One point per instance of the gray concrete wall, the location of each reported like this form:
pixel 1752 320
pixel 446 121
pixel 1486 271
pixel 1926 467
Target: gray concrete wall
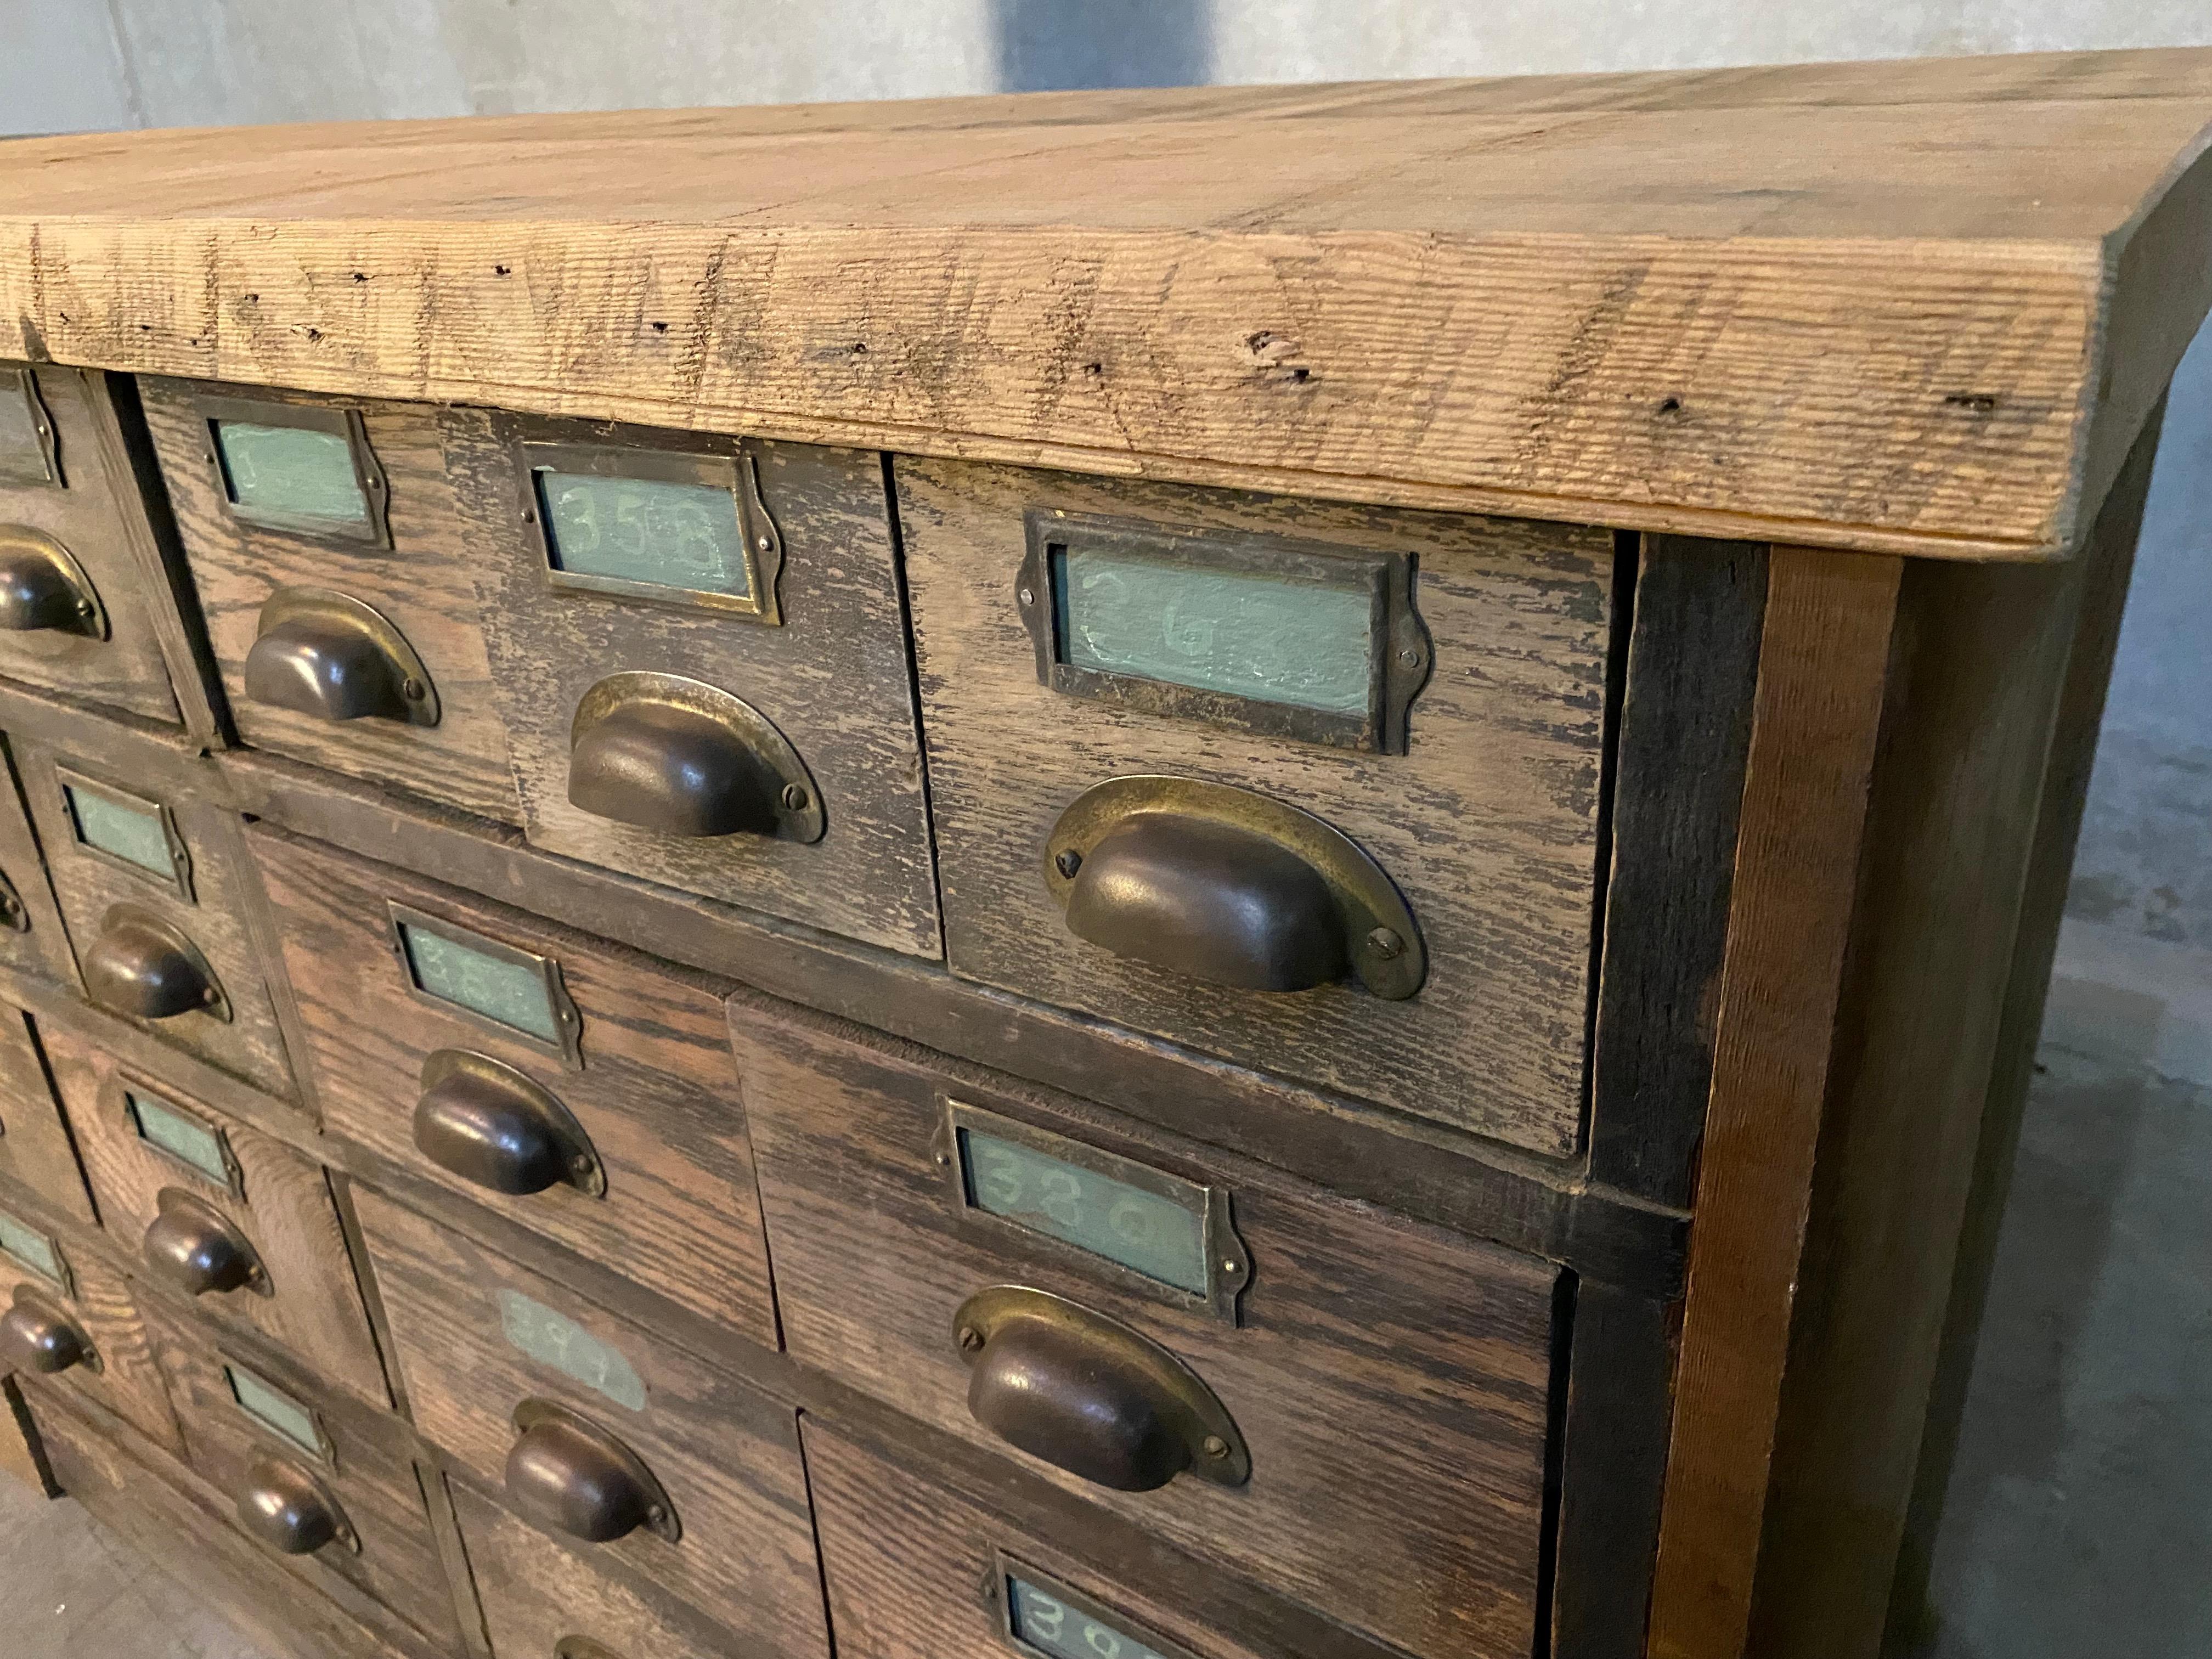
pixel 2145 868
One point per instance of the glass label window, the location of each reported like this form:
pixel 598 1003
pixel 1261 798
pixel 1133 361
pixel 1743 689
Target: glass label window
pixel 182 1136
pixel 30 1249
pixel 130 830
pixel 1050 1624
pixel 25 456
pixel 507 989
pixel 554 1340
pixel 274 1409
pixel 651 531
pixel 283 473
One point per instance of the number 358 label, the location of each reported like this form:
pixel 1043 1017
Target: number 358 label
pixel 1048 1618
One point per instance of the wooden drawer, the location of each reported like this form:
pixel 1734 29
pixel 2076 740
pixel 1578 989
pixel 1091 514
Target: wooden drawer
pixel 823 663
pixel 1386 1384
pixel 61 1301
pixel 147 933
pixel 405 558
pixel 174 1176
pixel 669 1198
pixel 1486 826
pixel 544 1600
pixel 480 1339
pixel 75 544
pixel 257 1433
pixel 914 1571
pixel 34 1142
pixel 31 937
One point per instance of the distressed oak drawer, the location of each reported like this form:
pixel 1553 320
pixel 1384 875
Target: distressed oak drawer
pixel 222 1215
pixel 333 574
pixel 31 937
pixel 1314 787
pixel 574 1087
pixel 315 1478
pixel 917 1572
pixel 35 1143
pixel 152 890
pixel 67 1322
pixel 82 584
pixel 1349 1408
pixel 702 658
pixel 660 1466
pixel 544 1600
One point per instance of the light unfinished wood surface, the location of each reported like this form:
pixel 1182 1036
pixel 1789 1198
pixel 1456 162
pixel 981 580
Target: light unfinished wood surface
pixel 1915 307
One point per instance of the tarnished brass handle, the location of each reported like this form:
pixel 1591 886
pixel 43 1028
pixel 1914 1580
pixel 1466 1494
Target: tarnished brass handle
pixel 14 917
pixel 1089 1396
pixel 685 758
pixel 198 1250
pixel 491 1126
pixel 323 654
pixel 37 1336
pixel 290 1510
pixel 1229 887
pixel 142 966
pixel 566 1472
pixel 44 590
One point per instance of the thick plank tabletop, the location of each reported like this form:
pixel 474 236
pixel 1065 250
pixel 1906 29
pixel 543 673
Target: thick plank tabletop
pixel 1920 307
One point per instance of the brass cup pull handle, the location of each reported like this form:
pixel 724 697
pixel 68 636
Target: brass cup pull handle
pixel 1229 887
pixel 566 1472
pixel 43 589
pixel 38 1337
pixel 486 1123
pixel 198 1250
pixel 1089 1395
pixel 684 758
pixel 142 967
pixel 290 1510
pixel 320 653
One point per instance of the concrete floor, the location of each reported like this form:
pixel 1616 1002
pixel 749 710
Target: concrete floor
pixel 2078 1523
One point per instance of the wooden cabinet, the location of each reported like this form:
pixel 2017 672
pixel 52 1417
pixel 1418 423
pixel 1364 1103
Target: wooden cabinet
pixel 1236 872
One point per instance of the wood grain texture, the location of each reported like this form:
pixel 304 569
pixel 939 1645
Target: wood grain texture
pixel 1488 825
pixel 657 1096
pixel 1684 727
pixel 42 946
pixel 128 1383
pixel 1709 303
pixel 834 679
pixel 420 583
pixel 1824 664
pixel 727 1455
pixel 2110 557
pixel 911 1569
pixel 1392 1382
pixel 537 1593
pixel 97 515
pixel 249 1043
pixel 1424 1170
pixel 35 1151
pixel 367 1473
pixel 22 1453
pixel 313 1307
pixel 160 1508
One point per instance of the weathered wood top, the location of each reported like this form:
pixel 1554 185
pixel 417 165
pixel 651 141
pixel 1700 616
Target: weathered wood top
pixel 1919 307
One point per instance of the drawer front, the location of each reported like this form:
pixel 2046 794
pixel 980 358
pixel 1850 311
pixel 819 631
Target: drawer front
pixel 1387 1384
pixel 57 1300
pixel 249 1430
pixel 1484 827
pixel 35 1143
pixel 31 937
pixel 72 530
pixel 171 1176
pixel 650 1093
pixel 917 1572
pixel 480 1339
pixel 397 548
pixel 542 1600
pixel 153 891
pixel 824 665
